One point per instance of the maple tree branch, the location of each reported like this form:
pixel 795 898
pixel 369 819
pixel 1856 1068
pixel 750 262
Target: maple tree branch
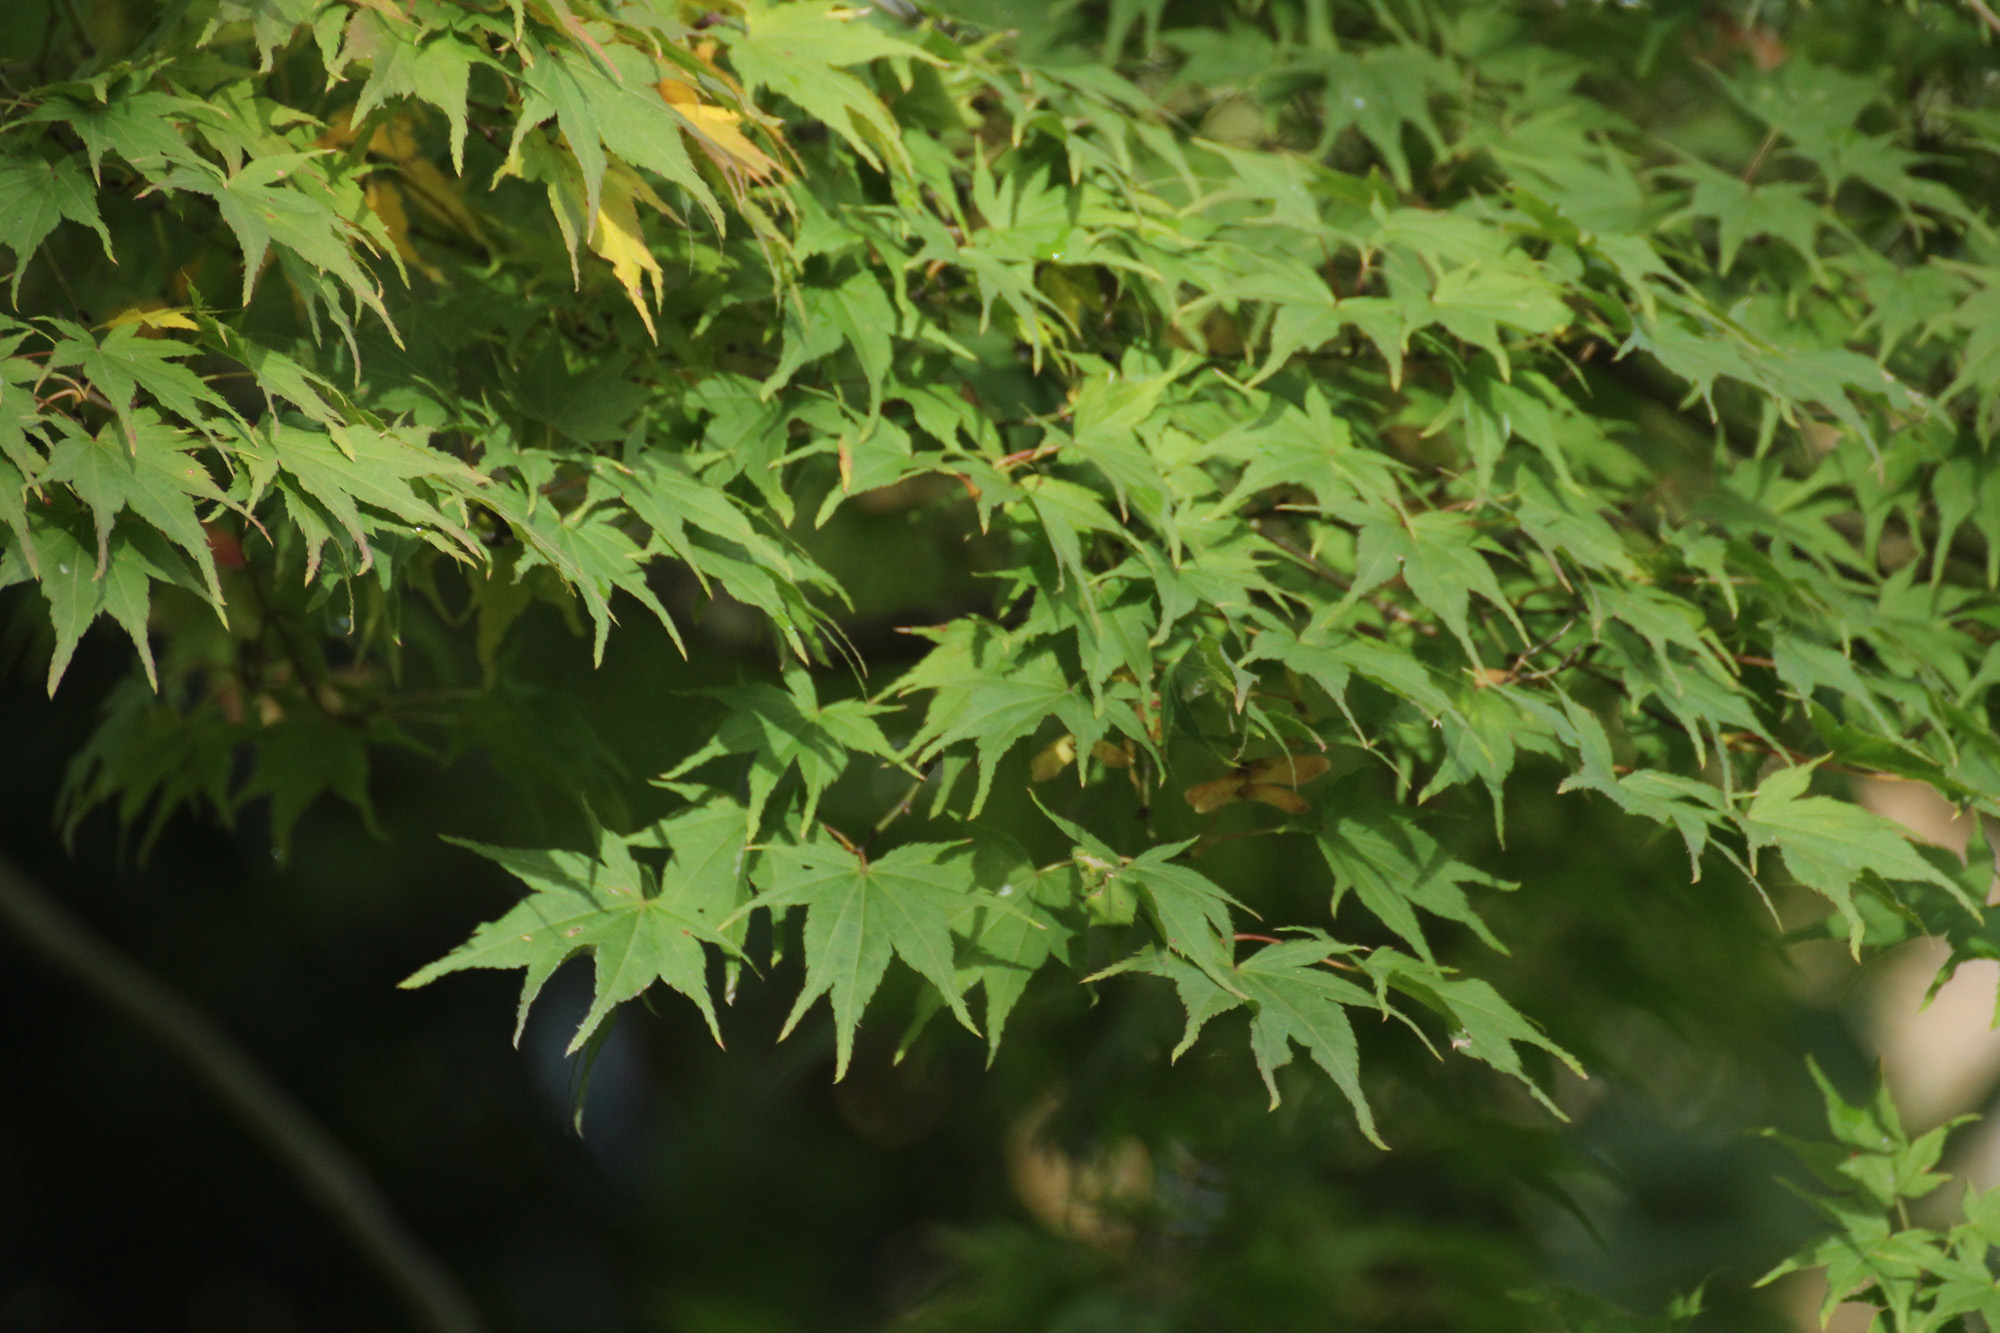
pixel 1986 14
pixel 334 1179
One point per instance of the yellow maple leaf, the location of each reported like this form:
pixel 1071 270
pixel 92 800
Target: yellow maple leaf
pixel 151 316
pixel 1054 757
pixel 716 132
pixel 417 181
pixel 386 201
pixel 619 240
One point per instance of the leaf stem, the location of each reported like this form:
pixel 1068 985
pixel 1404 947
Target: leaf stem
pixel 1756 163
pixel 333 1179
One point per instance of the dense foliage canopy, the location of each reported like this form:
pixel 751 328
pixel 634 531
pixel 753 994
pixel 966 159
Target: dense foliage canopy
pixel 1267 505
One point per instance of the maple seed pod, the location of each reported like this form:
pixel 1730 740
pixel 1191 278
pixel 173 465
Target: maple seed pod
pixel 1273 782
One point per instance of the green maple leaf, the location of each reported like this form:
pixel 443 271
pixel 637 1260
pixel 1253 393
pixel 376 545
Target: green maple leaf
pixel 1291 997
pixel 68 583
pixel 591 550
pixel 1694 808
pixel 636 930
pixel 861 912
pixel 1485 1027
pixel 437 71
pixel 1472 301
pixel 1032 919
pixel 783 729
pixel 1021 918
pixel 272 22
pixel 138 126
pixel 1441 557
pixel 1378 92
pixel 158 480
pixel 263 207
pixel 390 471
pixel 1295 999
pixel 999 705
pixel 1333 659
pixel 1743 212
pixel 34 197
pixel 800 51
pixel 1394 867
pixel 126 362
pixel 301 758
pixel 1829 844
pixel 697 522
pixel 853 315
pixel 279 375
pixel 1189 911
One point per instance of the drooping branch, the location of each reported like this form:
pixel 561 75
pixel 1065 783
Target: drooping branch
pixel 334 1179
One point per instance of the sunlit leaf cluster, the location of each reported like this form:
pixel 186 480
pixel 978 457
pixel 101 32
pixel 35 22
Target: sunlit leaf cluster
pixel 1340 411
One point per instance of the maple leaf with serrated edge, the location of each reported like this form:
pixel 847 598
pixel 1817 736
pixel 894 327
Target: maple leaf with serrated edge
pixel 34 197
pixel 157 479
pixel 1394 868
pixel 391 470
pixel 1189 911
pixel 125 362
pixel 1441 557
pixel 591 551
pixel 67 582
pixel 700 524
pixel 1486 1027
pixel 1291 997
pixel 262 207
pixel 788 728
pixel 997 708
pixel 799 50
pixel 1829 844
pixel 437 70
pixel 1294 998
pixel 637 930
pixel 860 912
pixel 1032 915
pixel 299 759
pixel 138 127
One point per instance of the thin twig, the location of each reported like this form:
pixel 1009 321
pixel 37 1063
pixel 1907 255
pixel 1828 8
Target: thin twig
pixel 1985 13
pixel 334 1180
pixel 1530 653
pixel 898 810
